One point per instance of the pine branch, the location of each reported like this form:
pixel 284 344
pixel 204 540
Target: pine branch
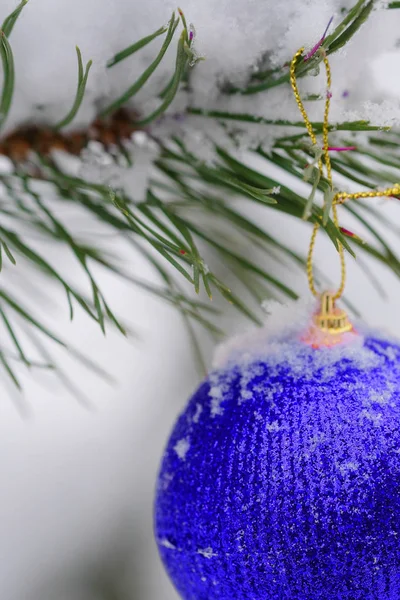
pixel 190 208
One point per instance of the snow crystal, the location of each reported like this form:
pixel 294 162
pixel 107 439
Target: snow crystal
pixel 376 418
pixel 182 447
pixel 196 416
pixel 217 394
pixel 166 480
pixel 206 268
pixel 167 544
pixel 141 139
pixel 382 398
pixel 274 426
pixel 206 552
pixel 383 114
pixel 284 320
pixel 348 467
pixel 6 166
pixel 246 394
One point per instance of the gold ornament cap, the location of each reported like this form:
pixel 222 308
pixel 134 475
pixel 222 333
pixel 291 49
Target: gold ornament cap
pixel 329 324
pixel 331 319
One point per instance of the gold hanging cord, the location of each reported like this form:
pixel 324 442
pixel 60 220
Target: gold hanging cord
pixel 340 197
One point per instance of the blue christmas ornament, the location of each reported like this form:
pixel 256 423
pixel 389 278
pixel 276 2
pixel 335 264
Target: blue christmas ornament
pixel 281 479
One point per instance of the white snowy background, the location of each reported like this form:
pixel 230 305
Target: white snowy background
pixel 76 481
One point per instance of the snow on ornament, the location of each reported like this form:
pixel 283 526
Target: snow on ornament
pixel 289 485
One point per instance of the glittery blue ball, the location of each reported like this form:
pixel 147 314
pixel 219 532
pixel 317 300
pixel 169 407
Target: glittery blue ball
pixel 281 479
